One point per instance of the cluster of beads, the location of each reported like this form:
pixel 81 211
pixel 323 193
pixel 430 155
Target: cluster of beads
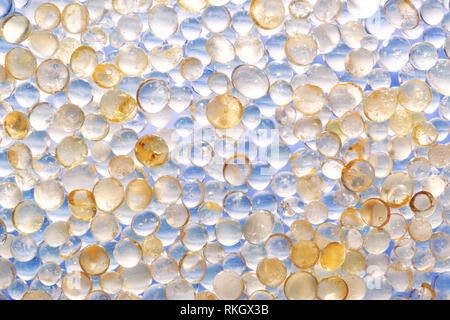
pixel 224 149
